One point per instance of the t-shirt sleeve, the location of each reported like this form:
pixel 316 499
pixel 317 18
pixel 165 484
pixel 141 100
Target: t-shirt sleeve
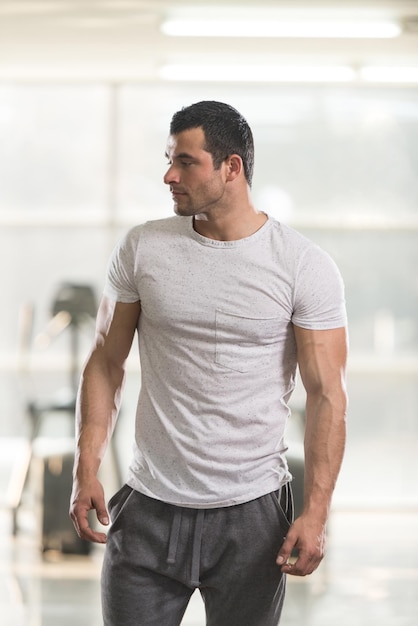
pixel 319 302
pixel 120 284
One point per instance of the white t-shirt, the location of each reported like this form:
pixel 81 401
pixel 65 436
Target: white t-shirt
pixel 218 354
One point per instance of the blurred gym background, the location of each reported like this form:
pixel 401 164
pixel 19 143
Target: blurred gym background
pixel 87 90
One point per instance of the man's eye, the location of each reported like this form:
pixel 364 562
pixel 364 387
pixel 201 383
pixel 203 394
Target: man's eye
pixel 186 163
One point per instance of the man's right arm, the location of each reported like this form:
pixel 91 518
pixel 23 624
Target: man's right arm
pixel 97 408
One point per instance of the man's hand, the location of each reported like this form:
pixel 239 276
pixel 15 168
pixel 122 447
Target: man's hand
pixel 84 498
pixel 307 536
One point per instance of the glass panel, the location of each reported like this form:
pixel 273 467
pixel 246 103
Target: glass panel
pixel 53 148
pixel 340 154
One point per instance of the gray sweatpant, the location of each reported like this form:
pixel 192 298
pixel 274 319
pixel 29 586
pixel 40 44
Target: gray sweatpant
pixel 157 554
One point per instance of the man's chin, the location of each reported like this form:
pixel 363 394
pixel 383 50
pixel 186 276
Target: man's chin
pixel 182 211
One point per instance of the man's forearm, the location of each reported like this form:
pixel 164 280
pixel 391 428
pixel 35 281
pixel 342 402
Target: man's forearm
pixel 324 448
pixel 96 413
pixel 325 436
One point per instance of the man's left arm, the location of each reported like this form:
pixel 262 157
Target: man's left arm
pixel 322 356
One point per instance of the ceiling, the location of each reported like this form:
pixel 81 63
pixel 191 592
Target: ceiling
pixel 122 40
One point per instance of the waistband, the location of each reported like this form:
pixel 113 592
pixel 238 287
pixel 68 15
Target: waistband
pixel 284 497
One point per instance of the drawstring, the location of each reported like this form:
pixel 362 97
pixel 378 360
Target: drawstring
pixel 196 547
pixel 174 536
pixel 197 543
pixel 290 506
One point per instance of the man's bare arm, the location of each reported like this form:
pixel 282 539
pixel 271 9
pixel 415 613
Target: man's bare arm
pixel 97 408
pixel 322 359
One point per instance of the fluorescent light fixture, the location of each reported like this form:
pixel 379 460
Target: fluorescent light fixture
pixel 258 73
pixel 211 27
pixel 389 74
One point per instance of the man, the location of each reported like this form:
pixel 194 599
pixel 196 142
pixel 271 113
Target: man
pixel 226 302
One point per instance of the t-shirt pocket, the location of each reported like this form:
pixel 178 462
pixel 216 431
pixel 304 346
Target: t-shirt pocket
pixel 245 343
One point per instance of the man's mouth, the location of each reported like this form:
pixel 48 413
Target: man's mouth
pixel 176 192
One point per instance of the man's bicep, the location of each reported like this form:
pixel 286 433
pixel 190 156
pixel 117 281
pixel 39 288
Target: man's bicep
pixel 322 356
pixel 115 328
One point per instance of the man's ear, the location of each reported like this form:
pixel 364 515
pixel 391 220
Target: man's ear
pixel 234 167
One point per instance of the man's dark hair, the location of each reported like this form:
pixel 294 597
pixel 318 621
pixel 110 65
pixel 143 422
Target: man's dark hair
pixel 226 132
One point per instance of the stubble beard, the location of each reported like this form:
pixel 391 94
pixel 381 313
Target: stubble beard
pixel 187 208
pixel 183 211
pixel 202 203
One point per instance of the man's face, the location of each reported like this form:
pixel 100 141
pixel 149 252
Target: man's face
pixel 196 187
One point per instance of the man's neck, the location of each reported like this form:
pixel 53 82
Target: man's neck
pixel 228 227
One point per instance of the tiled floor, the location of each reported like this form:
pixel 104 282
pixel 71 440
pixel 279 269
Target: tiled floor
pixel 370 576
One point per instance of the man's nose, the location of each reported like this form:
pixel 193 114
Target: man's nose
pixel 171 175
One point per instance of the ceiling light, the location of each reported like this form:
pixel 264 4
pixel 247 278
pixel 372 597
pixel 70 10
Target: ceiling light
pixel 258 73
pixel 211 27
pixel 389 74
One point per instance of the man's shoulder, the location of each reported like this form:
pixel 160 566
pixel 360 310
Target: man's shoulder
pixel 298 251
pixel 156 228
pixel 290 238
pixel 170 225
